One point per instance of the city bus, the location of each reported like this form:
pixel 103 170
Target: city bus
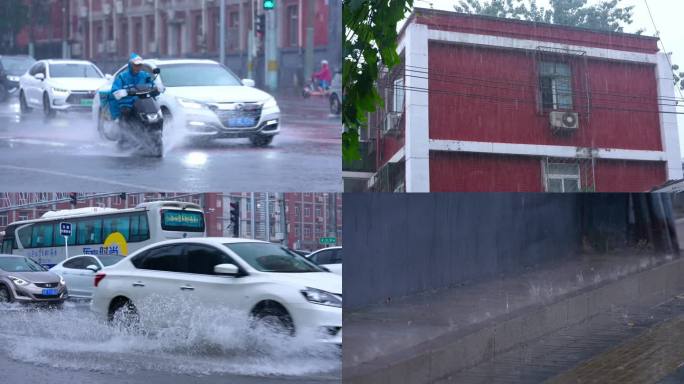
pixel 102 231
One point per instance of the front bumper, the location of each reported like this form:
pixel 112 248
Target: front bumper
pixel 12 87
pixel 71 101
pixel 34 294
pixel 206 123
pixel 323 322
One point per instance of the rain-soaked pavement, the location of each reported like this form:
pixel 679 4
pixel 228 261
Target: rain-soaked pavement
pixel 67 154
pixel 70 345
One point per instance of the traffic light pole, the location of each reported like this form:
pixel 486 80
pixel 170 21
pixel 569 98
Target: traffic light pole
pixel 222 33
pixel 271 51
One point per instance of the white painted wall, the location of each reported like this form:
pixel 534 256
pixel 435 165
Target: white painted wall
pixel 416 109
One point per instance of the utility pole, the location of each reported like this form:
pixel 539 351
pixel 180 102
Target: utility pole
pixel 64 28
pixel 308 50
pixel 222 33
pixel 251 43
pixel 271 51
pixel 31 48
pixel 268 219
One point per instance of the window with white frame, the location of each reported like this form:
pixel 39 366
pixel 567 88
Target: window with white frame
pixel 555 81
pixel 3 220
pixel 307 231
pixel 562 177
pixel 398 100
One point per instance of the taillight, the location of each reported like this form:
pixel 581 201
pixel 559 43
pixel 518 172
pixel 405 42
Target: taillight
pixel 99 277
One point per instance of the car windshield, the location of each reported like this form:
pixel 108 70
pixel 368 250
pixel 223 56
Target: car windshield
pixel 17 65
pixel 20 264
pixel 74 70
pixel 266 257
pixel 197 75
pixel 109 260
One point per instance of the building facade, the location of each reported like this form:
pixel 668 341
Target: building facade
pixel 297 220
pixel 490 104
pixel 312 216
pixel 107 31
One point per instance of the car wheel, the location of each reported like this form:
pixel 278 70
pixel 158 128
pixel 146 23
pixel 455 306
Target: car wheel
pixel 334 104
pixel 47 108
pixel 5 296
pixel 23 105
pixel 124 315
pixel 276 319
pixel 4 95
pixel 261 140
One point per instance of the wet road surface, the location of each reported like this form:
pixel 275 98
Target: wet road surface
pixel 66 154
pixel 71 345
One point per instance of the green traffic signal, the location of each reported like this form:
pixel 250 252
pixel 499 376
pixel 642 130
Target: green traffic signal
pixel 269 4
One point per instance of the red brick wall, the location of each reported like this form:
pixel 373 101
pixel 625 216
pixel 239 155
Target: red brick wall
pixel 483 94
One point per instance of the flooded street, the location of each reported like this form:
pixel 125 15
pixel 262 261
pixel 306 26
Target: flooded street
pixel 305 156
pixel 73 345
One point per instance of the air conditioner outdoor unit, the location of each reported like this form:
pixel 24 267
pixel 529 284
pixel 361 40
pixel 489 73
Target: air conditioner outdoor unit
pixel 76 49
pixel 568 121
pixel 82 11
pixel 152 46
pixel 100 48
pixel 106 9
pixel 119 6
pixel 391 121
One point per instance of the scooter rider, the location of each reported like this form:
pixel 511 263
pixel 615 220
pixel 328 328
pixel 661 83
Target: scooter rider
pixel 324 76
pixel 121 109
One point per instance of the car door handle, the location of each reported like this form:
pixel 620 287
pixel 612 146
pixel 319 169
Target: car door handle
pixel 138 284
pixel 187 288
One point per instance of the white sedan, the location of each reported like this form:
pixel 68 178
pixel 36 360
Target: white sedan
pixel 256 280
pixel 79 272
pixel 205 99
pixel 330 258
pixel 60 85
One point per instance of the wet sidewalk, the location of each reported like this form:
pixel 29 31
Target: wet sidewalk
pixel 421 337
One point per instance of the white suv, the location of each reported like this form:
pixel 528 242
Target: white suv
pixel 256 279
pixel 60 85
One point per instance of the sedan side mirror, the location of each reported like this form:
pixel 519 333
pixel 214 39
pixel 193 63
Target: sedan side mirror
pixel 108 76
pixel 226 269
pixel 93 267
pixel 40 76
pixel 156 71
pixel 248 83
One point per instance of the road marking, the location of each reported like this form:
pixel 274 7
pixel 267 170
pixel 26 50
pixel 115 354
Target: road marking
pixel 88 178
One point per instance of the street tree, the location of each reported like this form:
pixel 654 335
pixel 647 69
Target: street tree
pixel 370 41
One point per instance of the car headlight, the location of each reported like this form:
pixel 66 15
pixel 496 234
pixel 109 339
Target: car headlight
pixel 13 78
pixel 18 281
pixel 270 103
pixel 190 104
pixel 318 296
pixel 61 280
pixel 59 90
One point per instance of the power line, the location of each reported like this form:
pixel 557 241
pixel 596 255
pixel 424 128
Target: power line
pixel 661 42
pixel 525 101
pixel 526 84
pixel 579 95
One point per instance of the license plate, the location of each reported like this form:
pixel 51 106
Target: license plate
pixel 87 102
pixel 240 122
pixel 50 292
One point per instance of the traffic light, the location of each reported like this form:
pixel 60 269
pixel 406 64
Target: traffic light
pixel 269 4
pixel 235 218
pixel 260 24
pixel 73 196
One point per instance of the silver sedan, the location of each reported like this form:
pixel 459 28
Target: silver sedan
pixel 24 280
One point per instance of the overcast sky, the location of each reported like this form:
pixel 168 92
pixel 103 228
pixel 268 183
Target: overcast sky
pixel 668 16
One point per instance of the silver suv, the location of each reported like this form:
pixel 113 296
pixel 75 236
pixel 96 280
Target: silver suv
pixel 24 280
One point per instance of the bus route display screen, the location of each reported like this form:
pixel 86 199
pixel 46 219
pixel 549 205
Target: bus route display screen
pixel 186 221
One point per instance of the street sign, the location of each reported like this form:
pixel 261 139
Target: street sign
pixel 328 240
pixel 65 229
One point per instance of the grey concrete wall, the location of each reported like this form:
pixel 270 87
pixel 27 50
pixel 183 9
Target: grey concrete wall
pixel 399 244
pixel 434 360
